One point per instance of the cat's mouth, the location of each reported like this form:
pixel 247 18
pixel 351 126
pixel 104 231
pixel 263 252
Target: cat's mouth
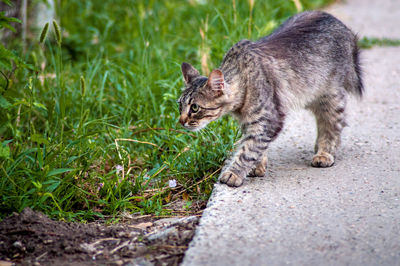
pixel 193 129
pixel 194 126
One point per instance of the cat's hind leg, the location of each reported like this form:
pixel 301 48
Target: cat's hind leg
pixel 261 167
pixel 330 116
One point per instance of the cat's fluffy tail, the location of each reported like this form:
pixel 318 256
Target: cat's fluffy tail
pixel 356 86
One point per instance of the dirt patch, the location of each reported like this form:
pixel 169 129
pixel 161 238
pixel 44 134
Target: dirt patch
pixel 31 238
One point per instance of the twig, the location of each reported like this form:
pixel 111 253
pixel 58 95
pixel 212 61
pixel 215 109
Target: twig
pixel 137 217
pixel 180 215
pixel 125 244
pixel 169 246
pixel 18 116
pixel 176 216
pixel 189 212
pixel 41 256
pixel 91 247
pixel 103 239
pixel 298 5
pixel 138 141
pixel 159 128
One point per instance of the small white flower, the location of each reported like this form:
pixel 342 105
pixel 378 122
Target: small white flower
pixel 119 168
pixel 172 183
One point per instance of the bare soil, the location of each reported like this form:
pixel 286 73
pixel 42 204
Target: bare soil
pixel 31 238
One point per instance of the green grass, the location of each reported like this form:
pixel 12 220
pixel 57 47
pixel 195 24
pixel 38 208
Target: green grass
pixel 93 131
pixel 368 42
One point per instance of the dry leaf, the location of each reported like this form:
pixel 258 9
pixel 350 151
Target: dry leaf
pixel 142 226
pixel 185 196
pixel 168 198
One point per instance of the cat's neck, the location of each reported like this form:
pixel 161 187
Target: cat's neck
pixel 234 98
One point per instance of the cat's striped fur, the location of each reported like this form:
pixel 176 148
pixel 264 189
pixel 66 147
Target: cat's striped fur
pixel 311 61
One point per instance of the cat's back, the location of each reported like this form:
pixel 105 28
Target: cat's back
pixel 305 35
pixel 311 31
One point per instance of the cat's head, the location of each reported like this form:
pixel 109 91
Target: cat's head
pixel 203 99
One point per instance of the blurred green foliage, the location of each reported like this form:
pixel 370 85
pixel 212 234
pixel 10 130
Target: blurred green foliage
pixel 368 42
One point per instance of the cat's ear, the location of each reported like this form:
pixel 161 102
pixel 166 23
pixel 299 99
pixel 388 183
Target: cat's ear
pixel 216 81
pixel 189 72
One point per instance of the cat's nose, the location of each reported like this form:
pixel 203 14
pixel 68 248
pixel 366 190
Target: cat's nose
pixel 183 119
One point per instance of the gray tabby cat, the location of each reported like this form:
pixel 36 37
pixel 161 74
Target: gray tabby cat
pixel 311 60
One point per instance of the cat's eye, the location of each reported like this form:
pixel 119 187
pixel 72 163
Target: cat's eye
pixel 194 108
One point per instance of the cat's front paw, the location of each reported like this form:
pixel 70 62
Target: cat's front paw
pixel 323 159
pixel 259 171
pixel 231 179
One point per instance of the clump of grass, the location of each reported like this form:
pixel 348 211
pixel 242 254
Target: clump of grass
pixel 92 131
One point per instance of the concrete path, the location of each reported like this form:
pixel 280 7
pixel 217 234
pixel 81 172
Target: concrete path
pixel 345 215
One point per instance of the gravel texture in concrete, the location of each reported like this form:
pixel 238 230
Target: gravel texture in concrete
pixel 348 214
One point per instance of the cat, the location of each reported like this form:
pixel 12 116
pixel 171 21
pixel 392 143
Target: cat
pixel 310 61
